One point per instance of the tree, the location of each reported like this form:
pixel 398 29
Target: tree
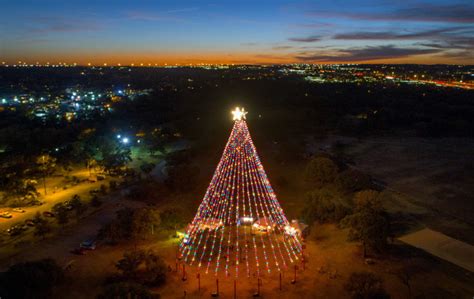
pixel 155 143
pixel 111 232
pixel 406 273
pixel 321 170
pixel 61 213
pixel 323 205
pixel 31 280
pixel 147 168
pixel 131 224
pixel 125 290
pixel 369 223
pixel 95 201
pixel 171 219
pixel 42 227
pixel 365 285
pixel 113 154
pixel 144 222
pixel 352 180
pixel 47 165
pixel 155 269
pixel 78 206
pixel 85 149
pixel 130 262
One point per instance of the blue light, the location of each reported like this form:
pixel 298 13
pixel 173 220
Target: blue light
pixel 125 140
pixel 119 136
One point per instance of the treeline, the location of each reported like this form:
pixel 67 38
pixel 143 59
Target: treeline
pixel 346 196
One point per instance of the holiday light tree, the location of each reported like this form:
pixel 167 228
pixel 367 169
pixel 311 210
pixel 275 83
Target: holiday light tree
pixel 240 225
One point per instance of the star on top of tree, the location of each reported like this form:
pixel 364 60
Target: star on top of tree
pixel 239 114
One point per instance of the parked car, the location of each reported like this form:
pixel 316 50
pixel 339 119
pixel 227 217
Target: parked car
pixel 67 205
pixel 16 230
pixel 5 215
pixel 18 210
pixel 89 245
pixel 30 222
pixel 48 214
pixel 79 251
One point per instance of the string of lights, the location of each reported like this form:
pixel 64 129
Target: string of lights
pixel 240 221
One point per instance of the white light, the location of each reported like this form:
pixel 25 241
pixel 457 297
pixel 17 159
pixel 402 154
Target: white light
pixel 239 114
pixel 119 136
pixel 247 219
pixel 125 140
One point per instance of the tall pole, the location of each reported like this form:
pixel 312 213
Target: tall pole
pixel 217 285
pixel 184 273
pixel 294 280
pixel 280 281
pixel 199 282
pixel 44 174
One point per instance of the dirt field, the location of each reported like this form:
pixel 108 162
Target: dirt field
pixel 432 178
pixel 324 275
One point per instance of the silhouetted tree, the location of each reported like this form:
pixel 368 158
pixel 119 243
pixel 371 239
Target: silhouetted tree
pixel 365 285
pixel 321 170
pixel 369 223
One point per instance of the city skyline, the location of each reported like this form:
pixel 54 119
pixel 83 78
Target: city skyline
pixel 268 32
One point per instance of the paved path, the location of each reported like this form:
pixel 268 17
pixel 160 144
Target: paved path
pixel 442 246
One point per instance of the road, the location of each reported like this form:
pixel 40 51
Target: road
pixel 60 245
pixel 51 198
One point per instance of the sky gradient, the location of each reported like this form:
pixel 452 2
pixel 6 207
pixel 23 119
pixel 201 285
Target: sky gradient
pixel 186 31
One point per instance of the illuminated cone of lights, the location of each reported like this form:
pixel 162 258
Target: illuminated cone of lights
pixel 240 226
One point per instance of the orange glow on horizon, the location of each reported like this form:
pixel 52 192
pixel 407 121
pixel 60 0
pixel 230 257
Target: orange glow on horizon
pixel 183 59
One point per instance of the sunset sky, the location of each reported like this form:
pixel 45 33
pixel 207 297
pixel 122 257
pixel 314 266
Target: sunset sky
pixel 186 31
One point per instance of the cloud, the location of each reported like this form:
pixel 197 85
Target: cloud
pixel 455 13
pixel 282 47
pixel 435 33
pixel 316 25
pixel 308 39
pixel 364 54
pixel 452 44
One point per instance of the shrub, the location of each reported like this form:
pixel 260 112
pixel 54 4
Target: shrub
pixel 321 170
pixel 323 205
pixel 365 285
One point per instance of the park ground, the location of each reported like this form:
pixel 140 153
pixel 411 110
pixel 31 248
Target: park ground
pixel 407 168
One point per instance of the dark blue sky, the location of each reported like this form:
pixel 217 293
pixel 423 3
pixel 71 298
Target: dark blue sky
pixel 256 31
